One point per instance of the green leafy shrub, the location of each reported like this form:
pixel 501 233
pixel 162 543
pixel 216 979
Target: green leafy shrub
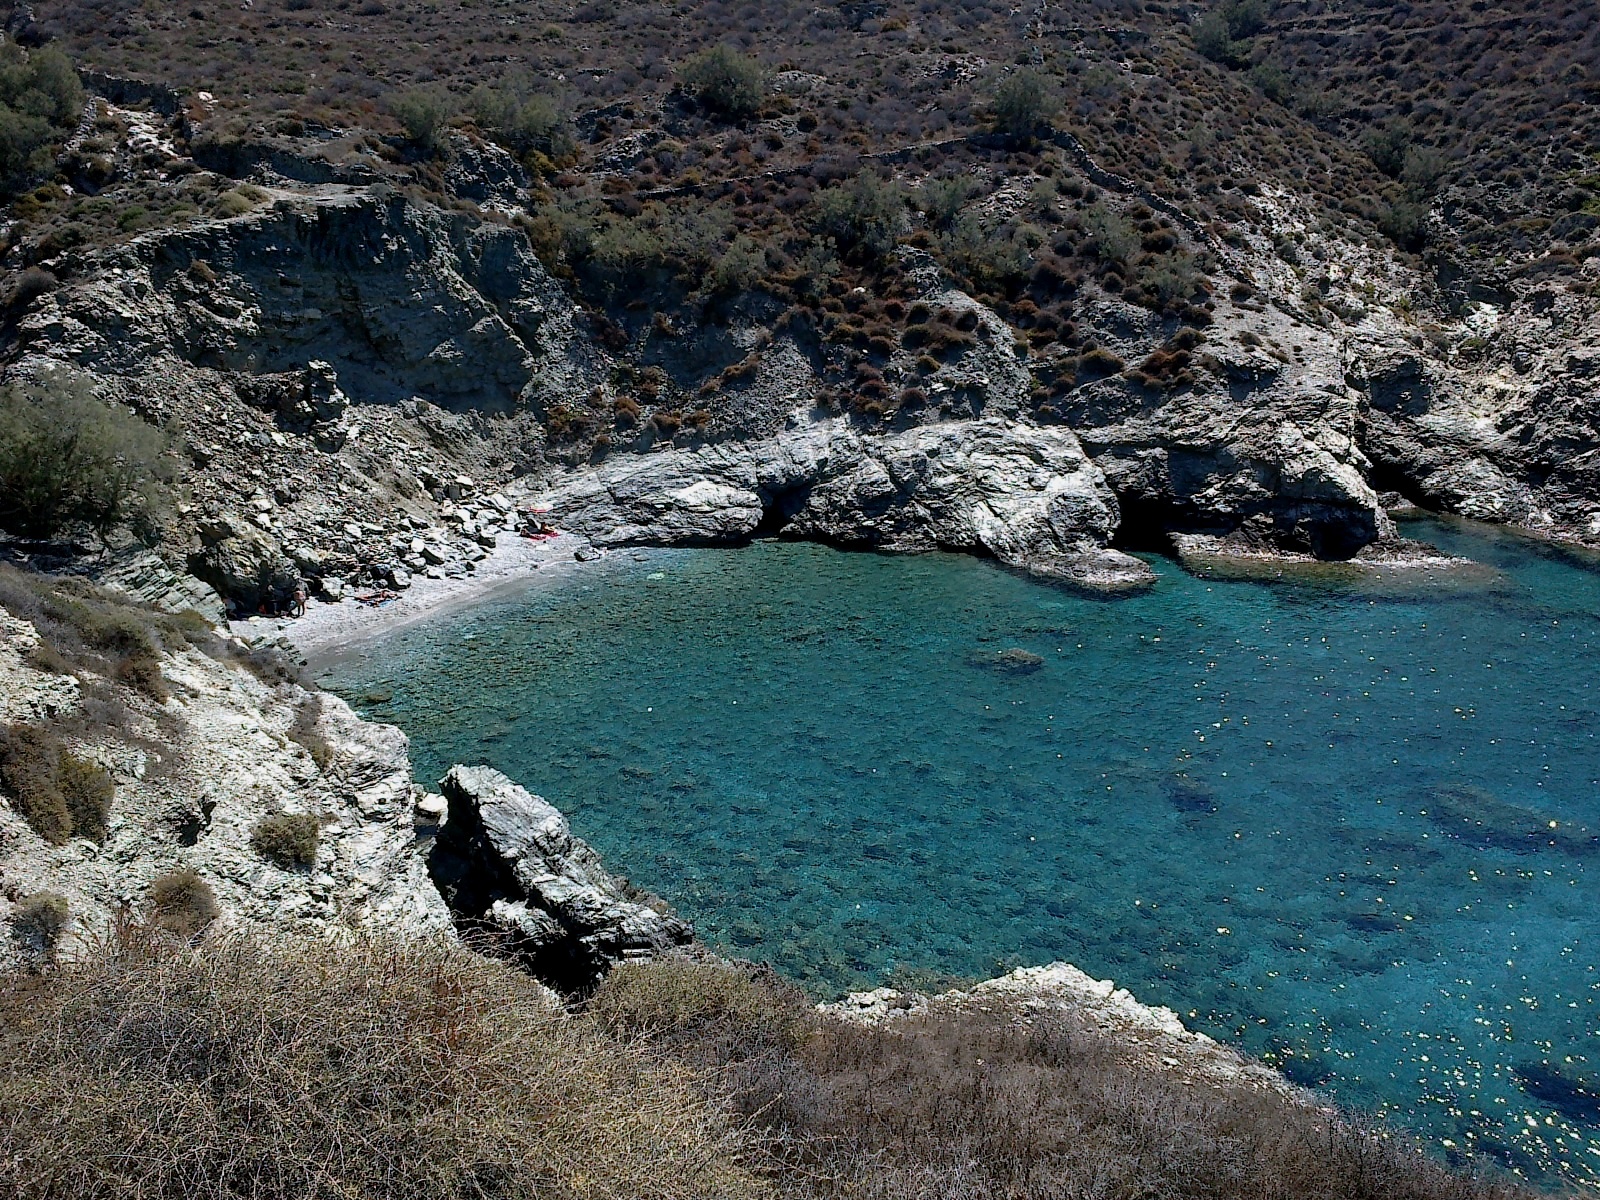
pixel 989 259
pixel 59 794
pixel 367 1068
pixel 523 121
pixel 424 114
pixel 69 460
pixel 1024 104
pixel 941 199
pixel 238 201
pixel 40 101
pixel 864 217
pixel 182 903
pixel 725 81
pixel 741 267
pixel 1388 146
pixel 1112 237
pixel 288 840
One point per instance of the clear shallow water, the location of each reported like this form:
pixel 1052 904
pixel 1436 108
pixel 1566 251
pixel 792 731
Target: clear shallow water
pixel 1352 831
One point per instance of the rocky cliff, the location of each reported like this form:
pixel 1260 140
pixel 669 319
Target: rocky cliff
pixel 368 383
pixel 192 777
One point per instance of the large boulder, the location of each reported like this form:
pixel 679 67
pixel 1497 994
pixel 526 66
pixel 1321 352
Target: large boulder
pixel 507 864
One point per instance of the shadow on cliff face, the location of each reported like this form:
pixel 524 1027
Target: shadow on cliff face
pixel 521 886
pixel 401 300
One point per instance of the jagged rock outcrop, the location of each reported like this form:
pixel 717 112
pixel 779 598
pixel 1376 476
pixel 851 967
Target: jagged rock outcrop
pixel 507 862
pixel 1505 430
pixel 1025 494
pixel 344 363
pixel 195 774
pixel 1262 447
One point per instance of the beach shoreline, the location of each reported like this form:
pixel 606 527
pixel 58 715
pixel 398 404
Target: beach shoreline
pixel 329 629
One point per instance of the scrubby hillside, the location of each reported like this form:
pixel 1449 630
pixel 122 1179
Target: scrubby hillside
pixel 382 1067
pixel 385 269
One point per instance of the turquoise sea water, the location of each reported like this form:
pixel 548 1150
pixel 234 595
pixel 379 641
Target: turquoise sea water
pixel 1352 829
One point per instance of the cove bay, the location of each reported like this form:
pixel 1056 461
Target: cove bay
pixel 1346 824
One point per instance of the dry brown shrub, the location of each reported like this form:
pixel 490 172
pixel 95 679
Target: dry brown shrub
pixel 29 757
pixel 372 1069
pixel 287 839
pixel 976 1103
pixel 87 791
pixel 38 923
pixel 181 902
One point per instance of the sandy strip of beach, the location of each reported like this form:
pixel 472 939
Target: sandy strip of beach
pixel 328 629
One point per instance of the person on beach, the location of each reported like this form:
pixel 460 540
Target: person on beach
pixel 297 605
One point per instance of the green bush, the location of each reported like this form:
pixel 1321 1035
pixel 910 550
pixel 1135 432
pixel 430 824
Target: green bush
pixel 1388 145
pixel 1406 224
pixel 1223 34
pixel 287 839
pixel 182 903
pixel 523 121
pixel 69 460
pixel 989 259
pixel 725 81
pixel 864 217
pixel 1112 237
pixel 59 794
pixel 941 200
pixel 741 267
pixel 424 113
pixel 40 101
pixel 1024 104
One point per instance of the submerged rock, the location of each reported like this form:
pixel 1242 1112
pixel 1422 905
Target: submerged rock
pixel 1015 661
pixel 506 862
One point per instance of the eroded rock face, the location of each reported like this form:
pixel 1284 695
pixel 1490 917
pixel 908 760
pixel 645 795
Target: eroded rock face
pixel 1025 494
pixel 506 861
pixel 1507 433
pixel 195 775
pixel 1262 448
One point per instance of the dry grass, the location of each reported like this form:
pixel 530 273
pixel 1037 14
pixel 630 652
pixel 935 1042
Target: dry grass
pixel 379 1069
pixel 998 1102
pixel 408 1069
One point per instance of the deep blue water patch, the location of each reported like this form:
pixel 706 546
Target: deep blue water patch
pixel 1352 829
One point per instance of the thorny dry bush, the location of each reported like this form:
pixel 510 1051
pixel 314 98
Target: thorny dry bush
pixel 382 1068
pixel 379 1068
pixel 997 1102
